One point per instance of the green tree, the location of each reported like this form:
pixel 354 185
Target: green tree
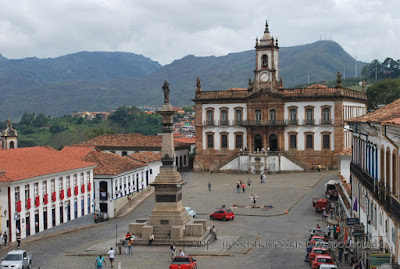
pixel 57 128
pixel 383 92
pixel 40 121
pixel 27 118
pixel 98 131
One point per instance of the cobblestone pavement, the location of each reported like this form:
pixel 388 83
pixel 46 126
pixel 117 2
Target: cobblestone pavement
pixel 257 238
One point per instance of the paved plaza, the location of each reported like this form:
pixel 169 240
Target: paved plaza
pixel 261 237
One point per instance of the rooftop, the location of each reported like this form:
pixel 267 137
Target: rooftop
pixel 388 113
pixel 24 163
pixel 146 157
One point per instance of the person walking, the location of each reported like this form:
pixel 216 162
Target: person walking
pixel 238 187
pixel 130 246
pixel 337 232
pixel 126 246
pixel 254 200
pixel 213 231
pixel 334 231
pixel 264 178
pixel 111 256
pixel 18 240
pixel 5 238
pixel 261 178
pixel 329 230
pixel 209 185
pixel 340 251
pixel 173 251
pixel 99 262
pixel 249 182
pixel 308 250
pixel 244 187
pixel 346 255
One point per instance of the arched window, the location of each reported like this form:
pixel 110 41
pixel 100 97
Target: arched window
pixel 265 61
pixel 258 115
pixel 11 145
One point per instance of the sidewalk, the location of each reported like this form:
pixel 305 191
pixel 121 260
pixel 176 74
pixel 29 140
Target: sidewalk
pixel 81 223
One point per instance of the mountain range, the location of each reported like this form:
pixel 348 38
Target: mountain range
pixel 102 81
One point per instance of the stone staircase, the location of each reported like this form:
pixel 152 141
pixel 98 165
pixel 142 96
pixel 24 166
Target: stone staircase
pixel 162 232
pixel 228 160
pixel 294 160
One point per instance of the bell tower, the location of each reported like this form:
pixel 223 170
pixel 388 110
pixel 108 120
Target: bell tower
pixel 9 137
pixel 266 74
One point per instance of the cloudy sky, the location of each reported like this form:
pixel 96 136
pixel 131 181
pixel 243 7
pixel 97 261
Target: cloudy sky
pixel 165 30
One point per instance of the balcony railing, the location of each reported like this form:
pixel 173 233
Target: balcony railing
pixel 395 207
pixel 265 123
pixel 363 176
pixel 325 122
pixel 249 123
pixel 308 122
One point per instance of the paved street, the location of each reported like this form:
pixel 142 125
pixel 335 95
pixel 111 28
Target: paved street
pixel 280 238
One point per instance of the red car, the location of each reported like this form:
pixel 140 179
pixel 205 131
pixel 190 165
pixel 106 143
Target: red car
pixel 317 251
pixel 224 214
pixel 318 241
pixel 321 259
pixel 183 262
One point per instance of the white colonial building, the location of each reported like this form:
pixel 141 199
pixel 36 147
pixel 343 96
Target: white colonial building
pixel 41 188
pixel 302 127
pixel 374 177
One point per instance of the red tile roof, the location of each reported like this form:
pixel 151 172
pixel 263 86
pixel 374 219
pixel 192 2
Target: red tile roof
pixel 395 121
pixel 146 157
pixel 127 141
pixel 112 163
pixel 187 140
pixel 23 163
pixel 383 114
pixel 108 163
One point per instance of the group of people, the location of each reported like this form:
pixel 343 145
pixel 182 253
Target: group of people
pixel 241 184
pixel 263 177
pixel 128 243
pixel 173 252
pixel 100 261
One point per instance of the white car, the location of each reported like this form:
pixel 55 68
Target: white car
pixel 18 259
pixel 328 266
pixel 191 212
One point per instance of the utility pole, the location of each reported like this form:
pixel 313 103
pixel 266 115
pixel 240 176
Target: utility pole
pixel 355 66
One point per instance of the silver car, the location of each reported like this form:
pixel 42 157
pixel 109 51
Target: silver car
pixel 18 259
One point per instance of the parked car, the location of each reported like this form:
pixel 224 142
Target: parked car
pixel 191 212
pixel 318 241
pixel 102 216
pixel 223 214
pixel 316 231
pixel 183 262
pixel 320 204
pixel 17 259
pixel 321 259
pixel 317 251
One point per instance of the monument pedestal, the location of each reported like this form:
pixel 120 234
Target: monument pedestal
pixel 169 220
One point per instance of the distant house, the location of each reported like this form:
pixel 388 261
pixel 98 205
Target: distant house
pixel 126 144
pixel 40 188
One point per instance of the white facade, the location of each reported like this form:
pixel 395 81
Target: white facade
pixel 50 202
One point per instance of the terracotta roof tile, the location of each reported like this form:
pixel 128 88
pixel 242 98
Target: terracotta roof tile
pixel 187 140
pixel 23 163
pixel 383 114
pixel 127 141
pixel 395 121
pixel 146 157
pixel 112 163
pixel 108 163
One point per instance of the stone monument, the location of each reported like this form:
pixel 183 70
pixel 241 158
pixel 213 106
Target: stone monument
pixel 169 221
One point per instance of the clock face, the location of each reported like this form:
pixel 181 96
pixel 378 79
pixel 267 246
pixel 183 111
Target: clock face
pixel 264 77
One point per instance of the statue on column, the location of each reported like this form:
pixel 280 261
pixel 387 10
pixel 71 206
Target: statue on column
pixel 198 84
pixel 165 88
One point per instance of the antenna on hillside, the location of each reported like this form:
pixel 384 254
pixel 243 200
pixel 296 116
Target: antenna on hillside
pixel 355 66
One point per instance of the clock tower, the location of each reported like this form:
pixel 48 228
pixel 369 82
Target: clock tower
pixel 266 74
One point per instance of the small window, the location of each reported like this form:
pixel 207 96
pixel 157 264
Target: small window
pixel 210 141
pixel 224 141
pixel 27 192
pixel 224 117
pixel 238 116
pixel 272 114
pixel 68 182
pixel 326 116
pixel 36 189
pixel 53 185
pixel 239 141
pixel 124 153
pixel 293 116
pixel 309 141
pixel 309 116
pixel 326 141
pixel 210 117
pixel 258 115
pixel 293 141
